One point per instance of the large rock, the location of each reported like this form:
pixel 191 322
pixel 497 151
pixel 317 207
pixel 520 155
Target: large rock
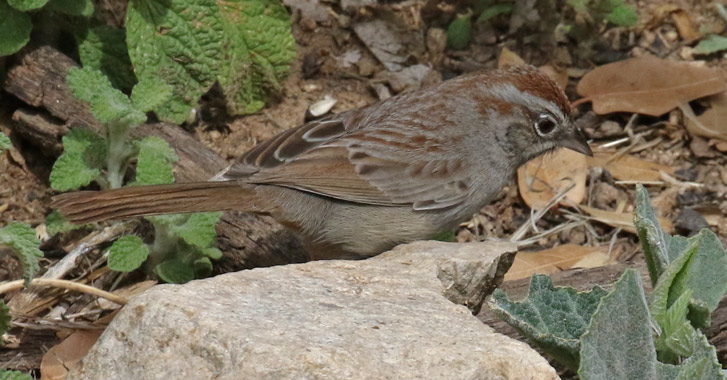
pixel 388 317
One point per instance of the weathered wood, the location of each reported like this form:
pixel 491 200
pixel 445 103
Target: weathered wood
pixel 38 79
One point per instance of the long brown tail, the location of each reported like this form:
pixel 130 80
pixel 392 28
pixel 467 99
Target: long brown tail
pixel 128 202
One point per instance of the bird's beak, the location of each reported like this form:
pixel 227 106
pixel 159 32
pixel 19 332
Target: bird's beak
pixel 577 142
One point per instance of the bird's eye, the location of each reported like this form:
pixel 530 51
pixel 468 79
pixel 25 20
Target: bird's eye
pixel 545 124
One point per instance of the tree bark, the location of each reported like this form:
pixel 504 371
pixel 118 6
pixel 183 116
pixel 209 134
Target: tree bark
pixel 39 79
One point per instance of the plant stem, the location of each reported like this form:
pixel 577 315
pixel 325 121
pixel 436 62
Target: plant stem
pixel 116 134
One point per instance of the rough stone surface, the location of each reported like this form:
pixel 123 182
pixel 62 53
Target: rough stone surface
pixel 387 317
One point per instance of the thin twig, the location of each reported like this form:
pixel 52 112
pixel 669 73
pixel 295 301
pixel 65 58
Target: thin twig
pixel 64 284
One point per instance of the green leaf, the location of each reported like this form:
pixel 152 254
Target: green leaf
pixel 150 93
pixel 22 240
pixel 15 28
pixel 706 276
pixel 107 103
pixel 459 32
pixel 56 223
pixel 618 343
pixel 27 5
pixel 212 252
pixel 495 11
pixel 580 6
pixel 71 172
pixel 262 49
pixel 88 144
pixel 4 142
pixel 73 7
pixel 5 318
pixel 14 375
pixel 553 318
pixel 202 267
pixel 175 272
pixel 623 15
pixel 179 41
pixel 154 162
pixel 127 253
pixel 654 241
pixel 447 236
pixel 104 48
pixel 199 229
pixel 711 44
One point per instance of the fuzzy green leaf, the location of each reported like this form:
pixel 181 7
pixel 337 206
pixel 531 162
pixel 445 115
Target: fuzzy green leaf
pixel 22 240
pixel 15 28
pixel 199 229
pixel 263 48
pixel 654 241
pixel 150 93
pixel 88 144
pixel 104 48
pixel 4 142
pixel 459 32
pixel 711 44
pixel 212 252
pixel 154 162
pixel 180 41
pixel 107 103
pixel 5 318
pixel 553 318
pixel 623 15
pixel 202 267
pixel 14 375
pixel 175 272
pixel 71 172
pixel 496 10
pixel 127 253
pixel 618 343
pixel 446 236
pixel 73 7
pixel 27 5
pixel 56 223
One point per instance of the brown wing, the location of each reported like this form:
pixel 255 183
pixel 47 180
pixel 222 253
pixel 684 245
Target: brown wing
pixel 372 164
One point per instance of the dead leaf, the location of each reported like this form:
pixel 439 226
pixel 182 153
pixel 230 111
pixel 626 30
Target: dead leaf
pixel 63 356
pixel 548 261
pixel 685 26
pixel 509 58
pixel 628 167
pixel 712 122
pixel 623 220
pixel 648 85
pixel 559 76
pixel 544 177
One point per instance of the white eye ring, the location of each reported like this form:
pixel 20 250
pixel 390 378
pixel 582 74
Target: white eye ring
pixel 545 124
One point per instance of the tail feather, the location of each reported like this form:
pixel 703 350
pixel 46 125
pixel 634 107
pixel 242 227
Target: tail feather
pixel 128 202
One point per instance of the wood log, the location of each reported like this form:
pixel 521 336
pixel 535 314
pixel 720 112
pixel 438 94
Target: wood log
pixel 39 79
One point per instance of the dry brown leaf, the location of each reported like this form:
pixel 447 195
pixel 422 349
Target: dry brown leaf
pixel 548 261
pixel 592 260
pixel 712 123
pixel 629 168
pixel 66 354
pixel 623 220
pixel 559 76
pixel 544 177
pixel 509 58
pixel 685 25
pixel 648 85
